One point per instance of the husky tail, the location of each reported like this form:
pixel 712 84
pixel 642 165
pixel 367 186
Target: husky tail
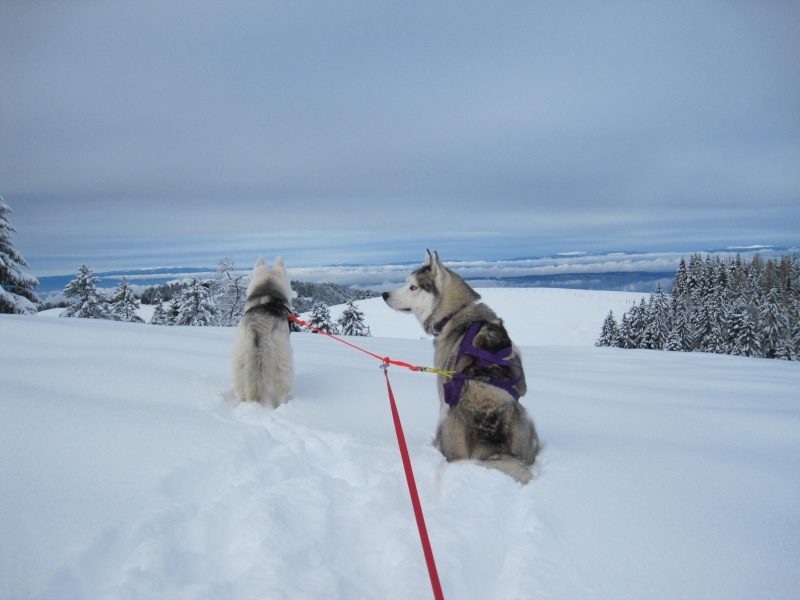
pixel 254 383
pixel 510 465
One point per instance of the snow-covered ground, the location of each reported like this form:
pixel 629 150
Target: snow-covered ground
pixel 126 474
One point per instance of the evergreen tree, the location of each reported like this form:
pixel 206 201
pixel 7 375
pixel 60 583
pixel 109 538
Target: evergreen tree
pixel 659 319
pixel 89 302
pixel 674 341
pixel 321 319
pixel 744 331
pixel 625 337
pixel 793 347
pixel 17 294
pixel 610 334
pixel 695 274
pixel 197 305
pixel 717 339
pixel 159 315
pixel 738 272
pixel 173 310
pixel 123 304
pixel 773 318
pixel 680 287
pixel 702 323
pixel 637 322
pixel 681 334
pixel 352 321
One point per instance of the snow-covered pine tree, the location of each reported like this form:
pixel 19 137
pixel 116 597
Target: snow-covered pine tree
pixel 17 294
pixel 681 334
pixel 352 321
pixel 321 319
pixel 636 325
pixel 674 341
pixel 159 315
pixel 680 287
pixel 89 302
pixel 624 331
pixel 745 339
pixel 197 305
pixel 773 318
pixel 695 273
pixel 123 303
pixel 609 335
pixel 794 339
pixel 173 310
pixel 658 320
pixel 715 310
pixel 702 322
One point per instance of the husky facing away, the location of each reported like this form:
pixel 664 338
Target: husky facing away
pixel 262 355
pixel 480 415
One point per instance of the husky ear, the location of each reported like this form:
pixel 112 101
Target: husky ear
pixel 437 262
pixel 261 262
pixel 280 267
pixel 428 258
pixel 439 271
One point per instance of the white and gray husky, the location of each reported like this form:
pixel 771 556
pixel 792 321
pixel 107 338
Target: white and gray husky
pixel 262 354
pixel 480 417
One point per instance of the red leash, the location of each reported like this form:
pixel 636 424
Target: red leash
pixel 384 359
pixel 401 442
pixel 412 490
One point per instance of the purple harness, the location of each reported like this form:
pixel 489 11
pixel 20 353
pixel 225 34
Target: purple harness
pixel 452 388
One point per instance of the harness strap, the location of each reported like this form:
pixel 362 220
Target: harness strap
pixel 453 388
pixel 273 307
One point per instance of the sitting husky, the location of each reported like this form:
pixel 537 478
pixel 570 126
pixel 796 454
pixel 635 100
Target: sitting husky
pixel 480 415
pixel 262 355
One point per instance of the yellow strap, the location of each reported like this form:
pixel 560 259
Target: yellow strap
pixel 448 374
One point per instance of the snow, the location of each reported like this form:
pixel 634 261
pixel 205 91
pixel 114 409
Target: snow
pixel 126 473
pixel 535 316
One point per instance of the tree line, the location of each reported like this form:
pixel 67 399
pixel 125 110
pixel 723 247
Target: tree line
pixel 202 302
pixel 724 306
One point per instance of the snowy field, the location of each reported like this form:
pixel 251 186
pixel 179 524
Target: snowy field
pixel 126 475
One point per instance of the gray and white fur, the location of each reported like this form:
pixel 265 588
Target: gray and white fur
pixel 487 425
pixel 262 353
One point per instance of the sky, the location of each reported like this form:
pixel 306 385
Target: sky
pixel 163 133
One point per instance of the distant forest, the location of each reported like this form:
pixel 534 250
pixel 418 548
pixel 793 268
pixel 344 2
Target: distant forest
pixel 219 301
pixel 329 294
pixel 227 295
pixel 723 306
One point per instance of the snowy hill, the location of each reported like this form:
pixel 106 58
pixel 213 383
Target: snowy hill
pixel 534 316
pixel 125 474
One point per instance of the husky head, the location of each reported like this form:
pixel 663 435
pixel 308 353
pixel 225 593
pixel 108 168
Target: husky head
pixel 269 285
pixel 431 293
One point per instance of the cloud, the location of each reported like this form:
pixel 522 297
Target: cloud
pixel 183 130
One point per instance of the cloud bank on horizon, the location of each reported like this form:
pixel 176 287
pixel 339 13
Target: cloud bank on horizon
pixel 148 134
pixel 621 271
